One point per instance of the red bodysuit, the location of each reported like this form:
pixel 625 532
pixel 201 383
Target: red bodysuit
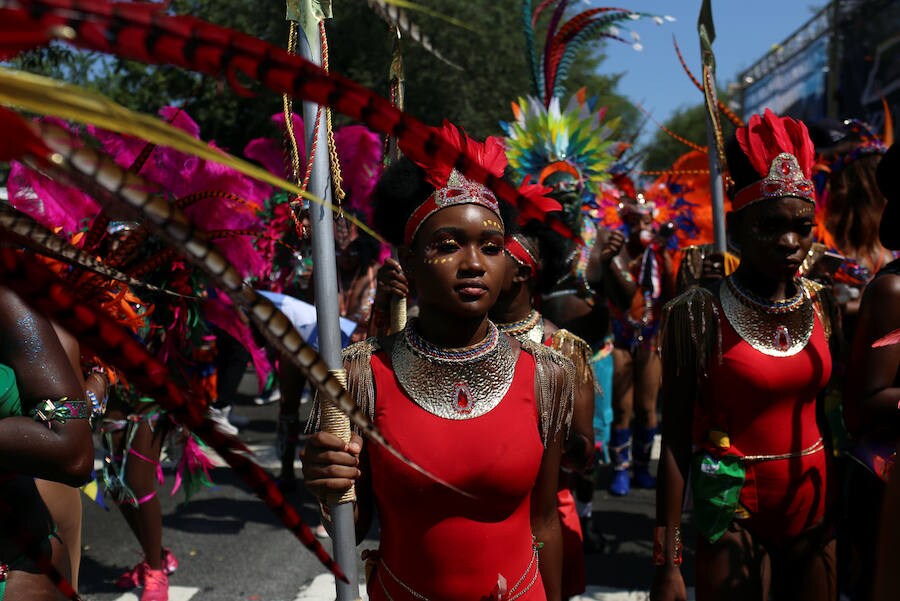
pixel 438 543
pixel 767 405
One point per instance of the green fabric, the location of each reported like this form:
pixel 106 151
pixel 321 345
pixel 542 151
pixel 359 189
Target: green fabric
pixel 716 486
pixel 10 404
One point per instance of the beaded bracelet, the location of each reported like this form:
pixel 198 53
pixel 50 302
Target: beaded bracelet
pixel 659 546
pixel 60 410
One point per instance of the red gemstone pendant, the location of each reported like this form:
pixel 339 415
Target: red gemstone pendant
pixel 782 339
pixel 463 401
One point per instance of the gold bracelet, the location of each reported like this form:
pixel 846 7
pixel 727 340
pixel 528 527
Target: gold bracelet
pixel 659 546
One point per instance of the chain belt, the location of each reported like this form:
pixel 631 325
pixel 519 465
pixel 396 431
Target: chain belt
pixel 814 448
pixel 514 593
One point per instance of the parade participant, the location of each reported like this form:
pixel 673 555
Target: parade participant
pixel 636 377
pixel 168 322
pixel 515 315
pixel 570 147
pixel 497 409
pixel 573 167
pixel 132 430
pixel 357 263
pixel 871 392
pixel 743 364
pixel 45 434
pixel 851 206
pixel 64 502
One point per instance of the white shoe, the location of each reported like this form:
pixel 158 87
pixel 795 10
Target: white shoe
pixel 238 421
pixel 220 418
pixel 321 532
pixel 273 397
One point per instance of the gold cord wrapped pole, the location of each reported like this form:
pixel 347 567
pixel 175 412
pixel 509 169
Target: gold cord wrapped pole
pixel 397 79
pixel 325 280
pixel 335 422
pixel 398 314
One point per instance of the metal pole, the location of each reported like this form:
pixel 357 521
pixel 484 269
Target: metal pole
pixel 707 32
pixel 717 190
pixel 326 297
pixel 398 86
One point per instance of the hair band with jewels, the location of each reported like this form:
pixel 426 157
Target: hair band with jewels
pixel 522 252
pixel 451 187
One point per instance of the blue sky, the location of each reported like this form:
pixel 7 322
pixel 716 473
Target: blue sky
pixel 745 31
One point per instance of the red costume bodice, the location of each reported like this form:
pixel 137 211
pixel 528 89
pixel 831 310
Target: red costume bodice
pixel 767 406
pixel 439 543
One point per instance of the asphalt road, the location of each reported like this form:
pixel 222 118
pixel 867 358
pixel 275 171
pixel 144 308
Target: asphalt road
pixel 231 547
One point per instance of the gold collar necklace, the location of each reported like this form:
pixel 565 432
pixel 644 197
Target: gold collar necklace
pixel 454 383
pixel 774 328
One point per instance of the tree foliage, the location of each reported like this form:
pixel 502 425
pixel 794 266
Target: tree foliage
pixel 689 123
pixel 477 96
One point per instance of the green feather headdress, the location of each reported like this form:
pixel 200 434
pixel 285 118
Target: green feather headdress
pixel 543 133
pixel 541 136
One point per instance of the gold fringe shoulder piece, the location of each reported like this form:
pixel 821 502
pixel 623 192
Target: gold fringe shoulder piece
pixel 691 330
pixel 579 352
pixel 691 266
pixel 360 383
pixel 824 304
pixel 555 376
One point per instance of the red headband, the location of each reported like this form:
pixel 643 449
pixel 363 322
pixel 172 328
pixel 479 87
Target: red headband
pixel 780 150
pixel 520 250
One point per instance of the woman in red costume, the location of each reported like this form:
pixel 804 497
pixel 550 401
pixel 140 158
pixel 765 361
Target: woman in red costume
pixel 481 410
pixel 515 316
pixel 743 363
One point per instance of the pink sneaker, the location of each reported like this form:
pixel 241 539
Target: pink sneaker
pixel 156 585
pixel 169 562
pixel 131 578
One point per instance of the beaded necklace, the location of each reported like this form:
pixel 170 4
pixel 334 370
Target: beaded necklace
pixel 529 328
pixel 769 306
pixel 474 352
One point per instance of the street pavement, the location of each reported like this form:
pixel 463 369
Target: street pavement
pixel 232 548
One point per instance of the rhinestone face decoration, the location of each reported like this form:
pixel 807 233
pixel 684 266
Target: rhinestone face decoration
pixel 454 383
pixel 777 329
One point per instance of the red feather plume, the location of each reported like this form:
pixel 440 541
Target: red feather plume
pixel 769 135
pixel 539 204
pixel 888 340
pixel 490 155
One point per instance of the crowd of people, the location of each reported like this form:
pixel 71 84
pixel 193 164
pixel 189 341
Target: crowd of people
pixel 549 332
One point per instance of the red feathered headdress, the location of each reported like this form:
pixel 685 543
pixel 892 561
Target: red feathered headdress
pixel 781 152
pixel 537 208
pixel 451 187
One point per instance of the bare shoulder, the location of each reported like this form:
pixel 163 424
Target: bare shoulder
pixel 886 286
